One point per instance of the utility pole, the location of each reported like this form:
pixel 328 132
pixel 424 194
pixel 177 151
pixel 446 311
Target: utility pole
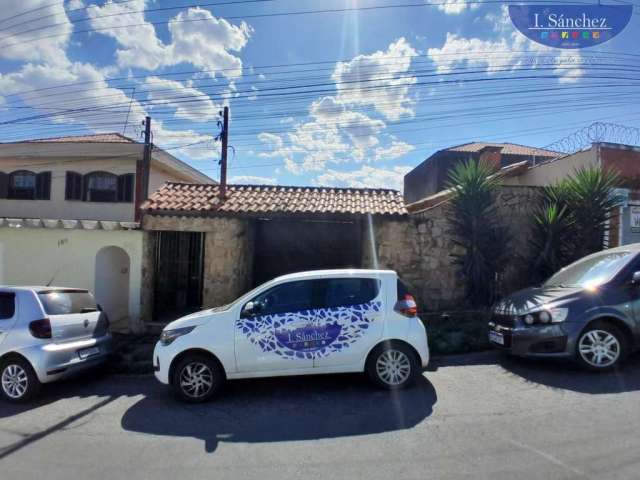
pixel 146 160
pixel 142 170
pixel 223 159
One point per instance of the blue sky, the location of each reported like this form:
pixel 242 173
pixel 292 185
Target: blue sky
pixel 351 98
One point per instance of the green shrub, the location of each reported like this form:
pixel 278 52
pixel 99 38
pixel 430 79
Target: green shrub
pixel 457 332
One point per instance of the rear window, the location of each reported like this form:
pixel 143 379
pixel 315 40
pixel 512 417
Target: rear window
pixel 402 290
pixel 350 291
pixel 64 302
pixel 7 305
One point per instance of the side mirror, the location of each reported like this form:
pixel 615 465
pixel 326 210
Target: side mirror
pixel 250 309
pixel 635 279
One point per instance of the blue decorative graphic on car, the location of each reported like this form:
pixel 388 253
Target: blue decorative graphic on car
pixel 307 336
pixel 309 333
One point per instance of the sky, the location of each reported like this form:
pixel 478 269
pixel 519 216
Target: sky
pixel 323 93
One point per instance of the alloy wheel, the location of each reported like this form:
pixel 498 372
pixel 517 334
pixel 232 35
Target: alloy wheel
pixel 14 381
pixel 196 380
pixel 393 367
pixel 599 348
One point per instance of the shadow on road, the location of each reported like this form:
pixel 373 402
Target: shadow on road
pixel 285 409
pixel 569 376
pixel 85 384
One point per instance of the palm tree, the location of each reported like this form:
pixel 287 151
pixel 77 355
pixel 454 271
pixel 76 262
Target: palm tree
pixel 475 228
pixel 572 218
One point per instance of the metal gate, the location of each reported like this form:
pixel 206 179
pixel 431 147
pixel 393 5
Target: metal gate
pixel 178 274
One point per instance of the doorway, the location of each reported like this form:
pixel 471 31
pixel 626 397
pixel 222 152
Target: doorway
pixel 112 285
pixel 178 274
pixel 288 246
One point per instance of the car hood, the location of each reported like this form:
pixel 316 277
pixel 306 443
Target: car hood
pixel 198 318
pixel 530 299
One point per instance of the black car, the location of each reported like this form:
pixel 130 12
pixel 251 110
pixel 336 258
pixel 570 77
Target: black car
pixel 588 311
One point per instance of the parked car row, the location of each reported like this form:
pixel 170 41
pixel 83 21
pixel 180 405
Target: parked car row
pixel 329 321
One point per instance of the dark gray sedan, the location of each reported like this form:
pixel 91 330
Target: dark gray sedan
pixel 588 311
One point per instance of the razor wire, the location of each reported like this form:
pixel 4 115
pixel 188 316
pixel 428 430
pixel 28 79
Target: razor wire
pixel 597 132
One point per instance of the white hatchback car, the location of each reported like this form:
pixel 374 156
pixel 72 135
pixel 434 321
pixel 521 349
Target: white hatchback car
pixel 326 321
pixel 47 333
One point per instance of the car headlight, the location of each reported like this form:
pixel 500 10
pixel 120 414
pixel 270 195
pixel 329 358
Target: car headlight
pixel 546 316
pixel 558 314
pixel 168 336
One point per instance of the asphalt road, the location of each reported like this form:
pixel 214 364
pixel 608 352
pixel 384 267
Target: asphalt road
pixel 475 417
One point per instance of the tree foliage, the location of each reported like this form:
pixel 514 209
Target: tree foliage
pixel 476 229
pixel 571 219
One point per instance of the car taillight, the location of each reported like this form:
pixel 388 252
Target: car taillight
pixel 407 306
pixel 40 328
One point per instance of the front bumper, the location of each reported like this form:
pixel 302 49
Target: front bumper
pixel 162 357
pixel 53 361
pixel 554 340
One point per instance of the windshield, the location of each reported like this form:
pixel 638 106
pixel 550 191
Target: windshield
pixel 591 271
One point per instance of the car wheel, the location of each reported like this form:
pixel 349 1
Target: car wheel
pixel 601 347
pixel 197 378
pixel 392 366
pixel 18 381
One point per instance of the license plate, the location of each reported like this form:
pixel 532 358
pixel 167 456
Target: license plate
pixel 88 352
pixel 496 337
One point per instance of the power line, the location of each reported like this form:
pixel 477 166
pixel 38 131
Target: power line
pixel 277 14
pixel 276 91
pixel 129 12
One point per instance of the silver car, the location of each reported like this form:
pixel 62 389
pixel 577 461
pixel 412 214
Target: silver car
pixel 47 333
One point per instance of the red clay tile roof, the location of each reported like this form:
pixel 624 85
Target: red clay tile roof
pixel 178 198
pixel 95 138
pixel 507 149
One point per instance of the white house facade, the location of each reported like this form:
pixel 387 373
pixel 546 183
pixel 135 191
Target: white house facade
pixel 68 216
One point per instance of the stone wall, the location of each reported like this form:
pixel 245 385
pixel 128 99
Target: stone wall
pixel 228 261
pixel 228 256
pixel 420 249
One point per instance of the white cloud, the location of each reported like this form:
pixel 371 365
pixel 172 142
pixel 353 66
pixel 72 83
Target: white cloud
pixel 274 141
pixel 366 176
pixel 18 42
pixel 335 131
pixel 507 53
pixel 206 42
pixel 105 113
pixel 254 180
pixel 395 150
pixel 199 108
pixel 380 80
pixel 75 4
pixel 455 7
pixel 197 37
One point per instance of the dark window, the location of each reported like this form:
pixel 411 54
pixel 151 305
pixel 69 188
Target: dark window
pixel 343 292
pixel 7 305
pixel 43 186
pixel 61 302
pixel 288 297
pixel 402 290
pixel 125 187
pixel 4 185
pixel 22 185
pixel 73 186
pixel 101 187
